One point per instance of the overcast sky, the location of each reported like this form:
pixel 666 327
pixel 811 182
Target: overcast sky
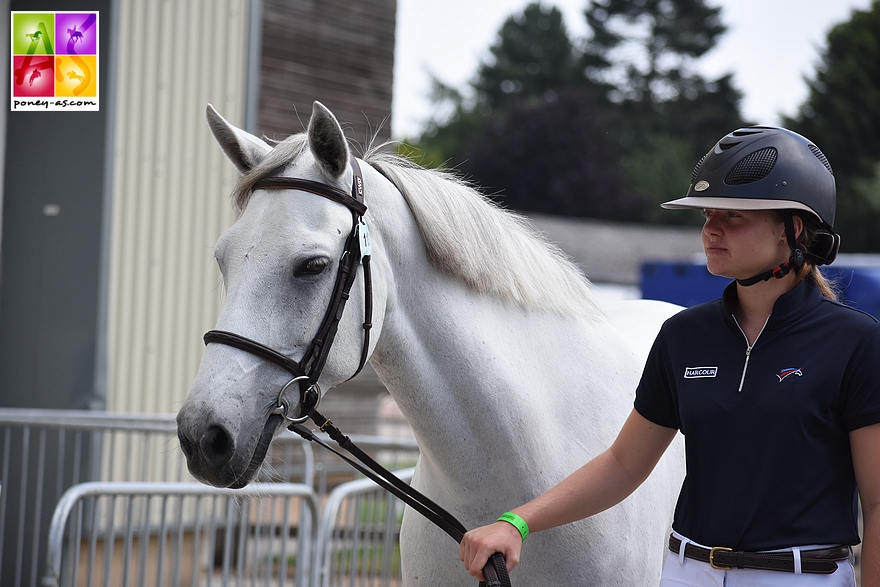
pixel 770 46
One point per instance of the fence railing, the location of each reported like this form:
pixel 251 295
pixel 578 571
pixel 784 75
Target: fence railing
pixel 45 452
pixel 358 540
pixel 182 534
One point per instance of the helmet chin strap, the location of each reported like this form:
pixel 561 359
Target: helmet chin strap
pixel 795 261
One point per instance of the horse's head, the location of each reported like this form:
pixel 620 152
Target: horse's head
pixel 280 264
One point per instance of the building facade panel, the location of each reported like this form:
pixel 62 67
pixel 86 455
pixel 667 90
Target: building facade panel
pixel 338 52
pixel 170 191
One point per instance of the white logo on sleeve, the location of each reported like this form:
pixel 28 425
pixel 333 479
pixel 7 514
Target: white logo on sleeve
pixel 700 372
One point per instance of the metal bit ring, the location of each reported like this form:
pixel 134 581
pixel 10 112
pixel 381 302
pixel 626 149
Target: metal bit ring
pixel 281 405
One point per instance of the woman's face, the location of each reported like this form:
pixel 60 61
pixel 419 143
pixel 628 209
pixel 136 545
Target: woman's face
pixel 742 243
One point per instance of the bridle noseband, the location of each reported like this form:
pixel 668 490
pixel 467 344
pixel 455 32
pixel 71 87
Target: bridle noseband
pixel 357 250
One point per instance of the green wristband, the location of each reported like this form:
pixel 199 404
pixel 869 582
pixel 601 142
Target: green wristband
pixel 517 522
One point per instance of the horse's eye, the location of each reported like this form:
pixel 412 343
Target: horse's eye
pixel 221 260
pixel 311 267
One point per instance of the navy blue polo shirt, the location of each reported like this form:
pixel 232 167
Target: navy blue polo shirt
pixel 766 428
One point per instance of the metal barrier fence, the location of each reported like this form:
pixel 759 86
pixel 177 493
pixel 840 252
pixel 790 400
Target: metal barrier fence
pixel 358 541
pixel 181 534
pixel 45 452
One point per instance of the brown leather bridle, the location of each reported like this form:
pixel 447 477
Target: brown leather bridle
pixel 357 250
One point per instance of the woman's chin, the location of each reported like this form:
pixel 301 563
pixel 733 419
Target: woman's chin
pixel 718 270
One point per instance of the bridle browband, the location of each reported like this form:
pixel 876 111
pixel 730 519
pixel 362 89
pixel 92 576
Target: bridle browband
pixel 307 370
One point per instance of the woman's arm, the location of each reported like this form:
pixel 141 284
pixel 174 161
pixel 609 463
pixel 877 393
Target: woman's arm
pixel 603 482
pixel 865 446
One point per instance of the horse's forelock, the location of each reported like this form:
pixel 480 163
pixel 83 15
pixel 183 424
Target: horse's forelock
pixel 284 153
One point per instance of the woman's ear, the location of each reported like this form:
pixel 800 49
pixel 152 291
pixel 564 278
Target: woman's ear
pixel 798 224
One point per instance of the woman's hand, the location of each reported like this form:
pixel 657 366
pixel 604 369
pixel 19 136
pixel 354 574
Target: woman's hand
pixel 481 543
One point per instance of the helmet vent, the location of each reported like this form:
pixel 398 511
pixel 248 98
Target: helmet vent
pixel 697 168
pixel 725 146
pixel 753 167
pixel 745 132
pixel 821 157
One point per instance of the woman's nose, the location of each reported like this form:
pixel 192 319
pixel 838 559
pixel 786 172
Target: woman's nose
pixel 711 225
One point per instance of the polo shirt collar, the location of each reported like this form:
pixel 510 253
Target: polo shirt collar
pixel 790 306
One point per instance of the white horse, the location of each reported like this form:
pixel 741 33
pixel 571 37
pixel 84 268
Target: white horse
pixel 490 341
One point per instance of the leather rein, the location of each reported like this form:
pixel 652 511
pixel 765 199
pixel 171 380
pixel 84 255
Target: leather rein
pixel 306 371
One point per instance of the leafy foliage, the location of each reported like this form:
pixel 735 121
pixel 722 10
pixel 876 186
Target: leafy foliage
pixel 644 48
pixel 543 166
pixel 667 116
pixel 454 125
pixel 533 57
pixel 842 116
pixel 604 130
pixel 611 126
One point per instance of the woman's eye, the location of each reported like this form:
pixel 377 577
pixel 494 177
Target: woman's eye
pixel 311 267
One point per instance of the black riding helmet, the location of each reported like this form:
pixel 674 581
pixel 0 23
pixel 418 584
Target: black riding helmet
pixel 769 168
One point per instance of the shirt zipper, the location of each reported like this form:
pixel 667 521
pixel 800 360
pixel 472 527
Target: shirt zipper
pixel 749 348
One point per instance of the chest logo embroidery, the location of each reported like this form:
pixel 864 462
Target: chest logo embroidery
pixel 790 371
pixel 700 372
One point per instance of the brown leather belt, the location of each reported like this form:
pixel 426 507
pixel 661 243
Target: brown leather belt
pixel 821 560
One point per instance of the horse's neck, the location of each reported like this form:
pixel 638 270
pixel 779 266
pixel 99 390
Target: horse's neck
pixel 467 366
pixel 489 389
pixel 435 327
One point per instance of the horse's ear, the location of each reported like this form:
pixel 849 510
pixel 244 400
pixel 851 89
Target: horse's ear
pixel 243 149
pixel 327 140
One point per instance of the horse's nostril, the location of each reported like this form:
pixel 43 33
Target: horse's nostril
pixel 217 446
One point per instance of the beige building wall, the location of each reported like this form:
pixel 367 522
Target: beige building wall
pixel 170 191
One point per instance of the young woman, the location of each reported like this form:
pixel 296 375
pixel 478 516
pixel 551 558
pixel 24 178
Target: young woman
pixel 774 387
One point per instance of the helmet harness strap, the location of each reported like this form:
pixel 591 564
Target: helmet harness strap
pixel 795 261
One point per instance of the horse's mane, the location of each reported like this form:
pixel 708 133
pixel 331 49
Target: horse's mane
pixel 495 251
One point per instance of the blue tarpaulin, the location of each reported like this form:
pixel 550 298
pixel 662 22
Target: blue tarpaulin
pixel 689 283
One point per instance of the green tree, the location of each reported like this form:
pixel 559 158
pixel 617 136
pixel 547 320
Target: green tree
pixel 657 116
pixel 842 115
pixel 667 114
pixel 456 123
pixel 665 143
pixel 533 56
pixel 535 135
pixel 645 49
pixel 554 156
